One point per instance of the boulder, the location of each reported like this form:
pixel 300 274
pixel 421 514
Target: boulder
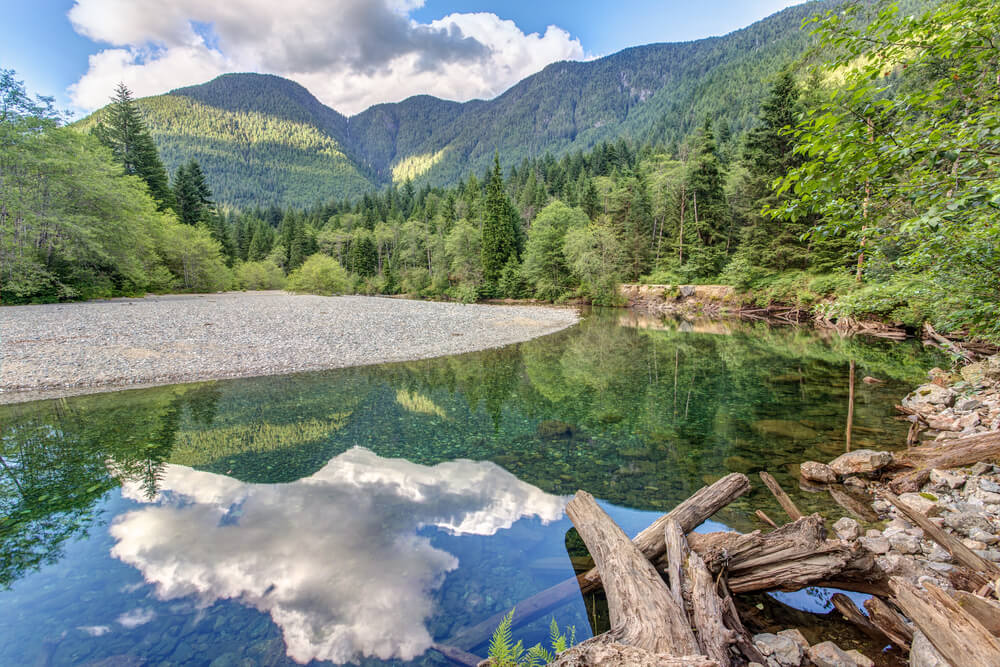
pixel 829 654
pixel 859 659
pixel 877 545
pixel 783 649
pixel 847 529
pixel 686 291
pixel 923 653
pixel 921 503
pixel 929 398
pixel 817 472
pixel 948 478
pixel 967 521
pixel 796 636
pixel 987 369
pixel 860 462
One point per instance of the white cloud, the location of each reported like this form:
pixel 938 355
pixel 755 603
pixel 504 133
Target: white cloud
pixel 350 53
pixel 335 558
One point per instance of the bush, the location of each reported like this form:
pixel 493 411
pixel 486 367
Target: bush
pixel 320 274
pixel 261 275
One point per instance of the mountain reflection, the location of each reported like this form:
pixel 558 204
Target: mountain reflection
pixel 335 558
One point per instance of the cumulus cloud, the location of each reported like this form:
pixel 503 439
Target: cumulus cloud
pixel 336 558
pixel 350 53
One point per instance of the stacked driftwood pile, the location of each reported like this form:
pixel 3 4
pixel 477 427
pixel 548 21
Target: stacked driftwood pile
pixel 670 591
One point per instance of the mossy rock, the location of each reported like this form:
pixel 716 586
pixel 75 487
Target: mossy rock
pixel 552 428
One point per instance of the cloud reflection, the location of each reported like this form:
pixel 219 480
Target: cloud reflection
pixel 334 558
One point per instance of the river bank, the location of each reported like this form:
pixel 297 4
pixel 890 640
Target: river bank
pixel 63 349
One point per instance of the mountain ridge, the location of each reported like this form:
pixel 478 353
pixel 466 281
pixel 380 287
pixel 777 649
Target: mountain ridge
pixel 659 91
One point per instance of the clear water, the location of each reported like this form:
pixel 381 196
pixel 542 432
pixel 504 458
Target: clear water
pixel 359 515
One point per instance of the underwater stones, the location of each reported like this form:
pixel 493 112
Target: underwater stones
pixel 783 428
pixel 817 472
pixel 552 428
pixel 928 397
pixel 737 463
pixel 860 462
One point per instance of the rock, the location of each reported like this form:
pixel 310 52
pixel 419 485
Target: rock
pixel 975 545
pixel 938 553
pixel 783 649
pixel 861 461
pixel 965 522
pixel 829 654
pixel 877 545
pixel 905 544
pixel 856 483
pixel 817 472
pixel 921 503
pixel 923 653
pixel 983 536
pixel 987 369
pixel 948 478
pixel 981 468
pixel 783 428
pixel 868 379
pixel 968 405
pixel 989 485
pixel 944 423
pixel 796 636
pixel 859 659
pixel 687 291
pixel 847 529
pixel 929 398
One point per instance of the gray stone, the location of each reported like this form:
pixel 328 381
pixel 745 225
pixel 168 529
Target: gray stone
pixel 829 654
pixel 861 461
pixel 797 636
pixel 905 544
pixel 965 522
pixel 921 503
pixel 687 291
pixel 989 485
pixel 877 545
pixel 859 659
pixel 847 529
pixel 968 406
pixel 856 482
pixel 928 398
pixel 923 653
pixel 937 553
pixel 948 478
pixel 817 472
pixel 981 468
pixel 783 649
pixel 987 369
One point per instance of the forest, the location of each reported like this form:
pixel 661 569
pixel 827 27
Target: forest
pixel 865 185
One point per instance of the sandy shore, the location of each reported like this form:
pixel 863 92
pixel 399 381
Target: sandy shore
pixel 61 349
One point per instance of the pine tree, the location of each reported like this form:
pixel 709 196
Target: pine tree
pixel 192 196
pixel 501 229
pixel 122 129
pixel 710 218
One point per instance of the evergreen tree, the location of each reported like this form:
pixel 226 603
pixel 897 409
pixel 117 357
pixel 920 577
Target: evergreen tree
pixel 363 254
pixel 260 244
pixel 192 196
pixel 501 230
pixel 122 129
pixel 708 224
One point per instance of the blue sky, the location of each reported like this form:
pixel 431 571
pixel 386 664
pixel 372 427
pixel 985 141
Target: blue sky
pixel 349 53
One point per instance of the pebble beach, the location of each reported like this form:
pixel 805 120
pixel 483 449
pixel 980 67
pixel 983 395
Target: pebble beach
pixel 62 349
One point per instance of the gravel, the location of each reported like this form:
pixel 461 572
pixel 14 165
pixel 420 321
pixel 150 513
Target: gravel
pixel 62 349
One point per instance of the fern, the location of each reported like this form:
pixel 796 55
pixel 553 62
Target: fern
pixel 503 652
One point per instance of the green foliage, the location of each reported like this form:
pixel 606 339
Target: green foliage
pixel 262 275
pixel 905 156
pixel 192 197
pixel 545 266
pixel 595 257
pixel 501 229
pixel 193 258
pixel 503 652
pixel 320 274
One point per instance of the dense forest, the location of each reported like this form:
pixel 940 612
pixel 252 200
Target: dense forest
pixel 868 172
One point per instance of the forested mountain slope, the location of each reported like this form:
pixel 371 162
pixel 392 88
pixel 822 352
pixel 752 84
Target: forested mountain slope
pixel 265 140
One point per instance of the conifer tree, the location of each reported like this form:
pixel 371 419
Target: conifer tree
pixel 122 129
pixel 192 196
pixel 709 218
pixel 501 230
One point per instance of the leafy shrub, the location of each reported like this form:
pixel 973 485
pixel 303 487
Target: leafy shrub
pixel 262 275
pixel 320 274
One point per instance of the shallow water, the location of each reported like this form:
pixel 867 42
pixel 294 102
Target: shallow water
pixel 359 515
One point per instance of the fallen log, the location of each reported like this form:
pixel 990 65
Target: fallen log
pixel 642 611
pixel 457 656
pixel 986 611
pixel 786 503
pixel 677 549
pixel 947 454
pixel 846 607
pixel 707 612
pixel 962 554
pixel 948 345
pixel 689 514
pixel 956 634
pixel 887 619
pixel 765 518
pixel 854 505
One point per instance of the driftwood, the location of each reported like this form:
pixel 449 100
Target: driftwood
pixel 986 611
pixel 888 620
pixel 790 558
pixel 642 611
pixel 948 454
pixel 677 551
pixel 956 634
pixel 948 345
pixel 846 607
pixel 765 518
pixel 961 553
pixel 786 503
pixel 851 502
pixel 457 656
pixel 707 613
pixel 689 514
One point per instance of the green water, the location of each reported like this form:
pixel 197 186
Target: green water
pixel 358 515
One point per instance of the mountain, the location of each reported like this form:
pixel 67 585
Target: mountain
pixel 262 139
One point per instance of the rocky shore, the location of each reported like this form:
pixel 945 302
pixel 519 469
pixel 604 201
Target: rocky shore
pixel 60 349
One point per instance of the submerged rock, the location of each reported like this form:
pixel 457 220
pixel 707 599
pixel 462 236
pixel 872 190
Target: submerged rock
pixel 783 428
pixel 817 472
pixel 860 462
pixel 784 650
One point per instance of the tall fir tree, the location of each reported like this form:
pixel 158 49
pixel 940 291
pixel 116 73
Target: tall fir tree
pixel 122 129
pixel 709 219
pixel 501 228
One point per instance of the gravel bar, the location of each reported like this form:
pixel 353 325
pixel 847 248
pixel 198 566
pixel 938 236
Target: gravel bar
pixel 62 349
